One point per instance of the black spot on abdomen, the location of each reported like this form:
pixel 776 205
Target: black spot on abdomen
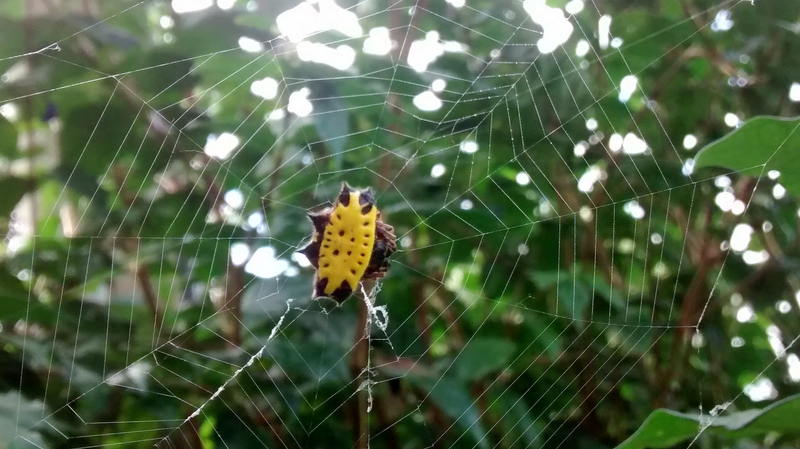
pixel 344 195
pixel 343 292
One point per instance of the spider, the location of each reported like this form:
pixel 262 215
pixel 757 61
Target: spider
pixel 350 243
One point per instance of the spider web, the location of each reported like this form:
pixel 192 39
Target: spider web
pixel 402 359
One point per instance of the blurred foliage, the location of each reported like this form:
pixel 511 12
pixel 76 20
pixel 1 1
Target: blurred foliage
pixel 557 307
pixel 756 148
pixel 665 428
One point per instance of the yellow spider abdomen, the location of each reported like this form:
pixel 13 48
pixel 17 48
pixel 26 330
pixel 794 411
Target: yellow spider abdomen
pixel 347 244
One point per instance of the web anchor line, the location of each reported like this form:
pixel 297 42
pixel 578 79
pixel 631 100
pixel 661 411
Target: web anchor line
pixel 252 360
pixel 382 323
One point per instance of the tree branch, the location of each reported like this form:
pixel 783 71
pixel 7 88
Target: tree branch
pixel 358 366
pixel 705 253
pixel 149 294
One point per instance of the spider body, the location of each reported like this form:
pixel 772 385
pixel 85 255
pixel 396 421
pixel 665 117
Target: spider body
pixel 350 243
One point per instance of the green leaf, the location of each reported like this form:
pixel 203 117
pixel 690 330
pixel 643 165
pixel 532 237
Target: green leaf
pixel 20 420
pixel 516 418
pixel 665 428
pixel 264 300
pixel 175 215
pixel 574 296
pixel 482 356
pixel 8 138
pixel 456 403
pixel 761 144
pixel 542 332
pixel 169 74
pixel 17 303
pixel 13 190
pixel 630 340
pixel 13 9
pixel 330 118
pixel 72 262
pixel 699 67
pixel 83 184
pixel 105 32
pixel 93 135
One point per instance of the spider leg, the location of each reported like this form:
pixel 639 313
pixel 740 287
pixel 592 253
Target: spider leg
pixel 379 262
pixel 320 219
pixel 378 256
pixel 311 251
pixel 385 233
pixel 374 276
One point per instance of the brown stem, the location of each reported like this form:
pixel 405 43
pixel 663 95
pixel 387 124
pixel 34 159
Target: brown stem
pixel 418 293
pixel 270 422
pixel 589 390
pixel 231 304
pixel 665 79
pixel 186 437
pixel 712 53
pixel 478 392
pixel 593 247
pixel 214 196
pixel 444 303
pixel 386 424
pixel 149 293
pixel 776 253
pixel 358 363
pixel 141 271
pixel 706 256
pixel 192 431
pixel 404 40
pixel 400 53
pixel 274 177
pixel 119 177
pixel 234 289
